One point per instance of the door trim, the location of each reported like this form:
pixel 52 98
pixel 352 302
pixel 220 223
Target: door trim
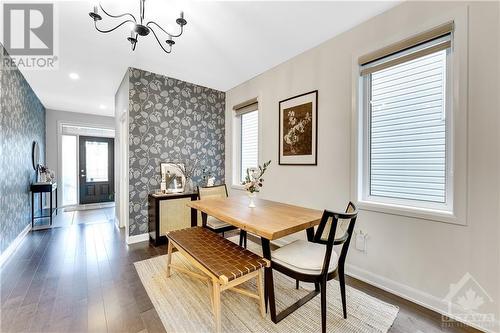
pixel 60 124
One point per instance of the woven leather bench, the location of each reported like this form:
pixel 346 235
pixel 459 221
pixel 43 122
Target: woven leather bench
pixel 224 264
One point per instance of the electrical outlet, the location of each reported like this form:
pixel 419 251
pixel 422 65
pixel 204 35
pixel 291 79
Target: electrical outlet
pixel 361 241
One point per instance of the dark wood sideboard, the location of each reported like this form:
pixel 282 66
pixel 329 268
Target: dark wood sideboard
pixel 169 212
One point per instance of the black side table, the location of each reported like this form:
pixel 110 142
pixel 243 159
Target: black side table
pixel 44 212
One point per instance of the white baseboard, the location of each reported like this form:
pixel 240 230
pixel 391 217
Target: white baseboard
pixel 13 246
pixel 138 238
pixel 411 294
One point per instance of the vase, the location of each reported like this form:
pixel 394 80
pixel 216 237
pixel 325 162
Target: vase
pixel 43 177
pixel 251 196
pixel 189 186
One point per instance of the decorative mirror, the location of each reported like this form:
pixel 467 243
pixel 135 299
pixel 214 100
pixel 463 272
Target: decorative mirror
pixel 35 155
pixel 172 177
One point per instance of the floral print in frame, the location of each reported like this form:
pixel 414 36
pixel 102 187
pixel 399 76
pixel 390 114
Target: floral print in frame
pixel 298 135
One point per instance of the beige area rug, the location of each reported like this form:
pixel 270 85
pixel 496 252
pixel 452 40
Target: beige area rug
pixel 183 304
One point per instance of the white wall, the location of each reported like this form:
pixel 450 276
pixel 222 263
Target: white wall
pixel 415 258
pixel 52 120
pixel 121 151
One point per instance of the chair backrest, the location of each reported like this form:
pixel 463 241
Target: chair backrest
pixel 336 229
pixel 218 191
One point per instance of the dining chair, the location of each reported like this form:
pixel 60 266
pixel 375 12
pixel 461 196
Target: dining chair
pixel 214 224
pixel 316 261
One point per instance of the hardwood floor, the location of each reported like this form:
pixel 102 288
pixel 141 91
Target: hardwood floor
pixel 81 278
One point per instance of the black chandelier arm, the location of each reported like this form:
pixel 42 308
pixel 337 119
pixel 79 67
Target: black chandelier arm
pixel 113 29
pixel 168 33
pixel 117 16
pixel 159 43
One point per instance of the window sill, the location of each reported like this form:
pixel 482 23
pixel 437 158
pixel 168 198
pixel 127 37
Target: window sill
pixel 238 187
pixel 413 212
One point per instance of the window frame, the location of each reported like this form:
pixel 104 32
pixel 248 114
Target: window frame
pixel 366 196
pixel 459 129
pixel 237 152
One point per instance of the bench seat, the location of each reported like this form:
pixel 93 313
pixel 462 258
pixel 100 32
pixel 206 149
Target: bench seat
pixel 220 256
pixel 225 264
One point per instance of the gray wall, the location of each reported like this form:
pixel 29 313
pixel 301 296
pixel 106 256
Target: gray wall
pixel 22 121
pixel 53 118
pixel 170 120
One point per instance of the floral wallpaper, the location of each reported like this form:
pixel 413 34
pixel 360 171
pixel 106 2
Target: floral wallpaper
pixel 170 121
pixel 22 121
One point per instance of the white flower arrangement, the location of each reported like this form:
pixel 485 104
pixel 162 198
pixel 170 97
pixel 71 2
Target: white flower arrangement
pixel 253 179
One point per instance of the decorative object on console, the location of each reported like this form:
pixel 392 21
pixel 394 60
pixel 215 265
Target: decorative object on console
pixel 298 130
pixel 254 181
pixel 172 176
pixel 44 174
pixel 187 168
pixel 140 28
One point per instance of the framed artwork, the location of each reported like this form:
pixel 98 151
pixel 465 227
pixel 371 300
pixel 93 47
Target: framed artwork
pixel 173 177
pixel 298 130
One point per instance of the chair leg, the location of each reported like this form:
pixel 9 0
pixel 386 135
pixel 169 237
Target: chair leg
pixel 260 291
pixel 342 291
pixel 323 306
pixel 217 310
pixel 296 284
pixel 169 257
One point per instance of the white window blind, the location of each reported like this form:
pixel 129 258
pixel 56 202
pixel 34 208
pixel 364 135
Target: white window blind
pixel 407 130
pixel 249 142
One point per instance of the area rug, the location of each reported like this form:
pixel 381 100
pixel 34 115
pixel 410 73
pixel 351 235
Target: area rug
pixel 183 304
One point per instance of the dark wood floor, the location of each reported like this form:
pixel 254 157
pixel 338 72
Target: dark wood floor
pixel 81 278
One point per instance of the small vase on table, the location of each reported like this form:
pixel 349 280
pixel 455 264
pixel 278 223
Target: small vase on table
pixel 251 195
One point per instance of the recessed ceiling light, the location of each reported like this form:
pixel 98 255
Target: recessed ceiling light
pixel 74 76
pixel 102 106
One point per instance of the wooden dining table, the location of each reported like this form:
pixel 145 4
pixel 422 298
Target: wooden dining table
pixel 269 220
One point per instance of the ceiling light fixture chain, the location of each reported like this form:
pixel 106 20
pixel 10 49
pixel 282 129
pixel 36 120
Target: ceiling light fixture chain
pixel 139 28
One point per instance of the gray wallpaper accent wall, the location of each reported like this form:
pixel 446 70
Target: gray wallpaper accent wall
pixel 22 121
pixel 170 121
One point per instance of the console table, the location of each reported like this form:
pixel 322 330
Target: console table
pixel 44 212
pixel 168 212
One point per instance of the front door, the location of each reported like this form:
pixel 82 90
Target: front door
pixel 96 170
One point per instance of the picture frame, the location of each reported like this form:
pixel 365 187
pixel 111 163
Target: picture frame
pixel 173 176
pixel 298 130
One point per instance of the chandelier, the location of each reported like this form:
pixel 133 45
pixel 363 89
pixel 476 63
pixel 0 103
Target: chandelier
pixel 139 28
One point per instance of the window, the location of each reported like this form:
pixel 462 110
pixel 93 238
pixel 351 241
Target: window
pixel 69 170
pixel 406 127
pixel 246 139
pixel 249 142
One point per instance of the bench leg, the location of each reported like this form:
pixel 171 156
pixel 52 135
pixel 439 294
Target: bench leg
pixel 217 306
pixel 260 291
pixel 169 257
pixel 211 294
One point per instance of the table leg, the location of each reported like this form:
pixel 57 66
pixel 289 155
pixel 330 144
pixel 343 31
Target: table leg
pixel 56 201
pixel 268 280
pixel 204 217
pixel 194 217
pixel 310 234
pixel 32 210
pixel 50 208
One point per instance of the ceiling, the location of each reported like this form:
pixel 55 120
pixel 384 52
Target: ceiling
pixel 224 44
